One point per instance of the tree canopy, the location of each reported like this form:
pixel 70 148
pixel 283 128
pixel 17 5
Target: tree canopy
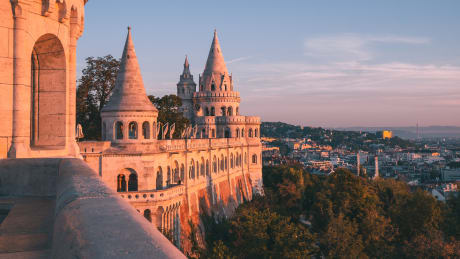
pixel 336 216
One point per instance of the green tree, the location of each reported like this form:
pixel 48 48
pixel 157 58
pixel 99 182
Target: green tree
pixel 168 112
pixel 94 89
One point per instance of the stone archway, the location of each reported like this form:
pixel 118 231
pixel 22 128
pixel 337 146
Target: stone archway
pixel 48 93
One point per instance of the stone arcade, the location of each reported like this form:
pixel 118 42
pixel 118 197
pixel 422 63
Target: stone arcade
pixel 170 180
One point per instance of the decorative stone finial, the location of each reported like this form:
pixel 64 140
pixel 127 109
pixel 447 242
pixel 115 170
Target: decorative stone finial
pixel 129 28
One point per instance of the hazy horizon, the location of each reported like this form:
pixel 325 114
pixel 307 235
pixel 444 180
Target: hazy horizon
pixel 332 64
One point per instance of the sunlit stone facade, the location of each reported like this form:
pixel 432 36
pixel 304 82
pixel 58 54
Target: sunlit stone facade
pixel 38 41
pixel 171 181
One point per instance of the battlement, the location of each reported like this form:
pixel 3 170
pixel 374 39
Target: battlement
pixel 216 94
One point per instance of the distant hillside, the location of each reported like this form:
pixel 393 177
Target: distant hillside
pixel 411 132
pixel 350 139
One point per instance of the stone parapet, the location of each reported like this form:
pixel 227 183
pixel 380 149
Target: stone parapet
pixel 216 94
pixel 154 195
pixel 92 221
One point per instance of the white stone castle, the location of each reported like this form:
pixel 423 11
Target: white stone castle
pixel 214 166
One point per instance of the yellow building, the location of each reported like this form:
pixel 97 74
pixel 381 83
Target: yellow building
pixel 387 134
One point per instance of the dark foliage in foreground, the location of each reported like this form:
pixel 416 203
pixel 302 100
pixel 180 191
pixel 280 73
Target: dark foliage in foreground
pixel 338 216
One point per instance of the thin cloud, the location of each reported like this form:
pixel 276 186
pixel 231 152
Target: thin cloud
pixel 352 46
pixel 238 59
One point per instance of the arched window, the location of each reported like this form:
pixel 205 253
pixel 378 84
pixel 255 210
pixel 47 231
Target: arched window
pixel 146 130
pixel 237 132
pixel 214 165
pixel 227 133
pixel 237 111
pixel 207 167
pixel 222 162
pixel 132 130
pixel 242 132
pixel 256 133
pixel 182 172
pixel 203 133
pixel 119 130
pixel 159 180
pixel 121 183
pixel 197 169
pixel 254 159
pixel 223 111
pixel 250 133
pixel 191 173
pixel 225 87
pixel 213 133
pixel 176 176
pixel 213 87
pixel 168 177
pixel 230 111
pixel 207 111
pixel 226 163
pixel 213 111
pixel 202 167
pixel 132 182
pixel 148 215
pixel 231 161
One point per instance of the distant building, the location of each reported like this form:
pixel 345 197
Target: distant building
pixel 387 134
pixel 450 175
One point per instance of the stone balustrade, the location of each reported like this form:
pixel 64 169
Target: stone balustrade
pixel 154 195
pixel 216 94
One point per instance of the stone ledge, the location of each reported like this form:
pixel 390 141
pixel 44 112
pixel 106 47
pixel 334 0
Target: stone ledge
pixel 92 221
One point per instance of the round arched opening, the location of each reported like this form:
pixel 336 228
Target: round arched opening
pixel 48 93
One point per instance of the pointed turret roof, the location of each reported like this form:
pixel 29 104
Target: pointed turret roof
pixel 215 63
pixel 129 92
pixel 186 67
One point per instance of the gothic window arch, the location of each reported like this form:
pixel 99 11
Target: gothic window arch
pixel 182 172
pixel 250 133
pixel 237 110
pixel 213 111
pixel 213 133
pixel 148 215
pixel 207 167
pixel 191 174
pixel 223 111
pixel 132 130
pixel 146 130
pixel 242 132
pixel 176 174
pixel 119 130
pixel 202 168
pixel 231 161
pixel 159 179
pixel 214 165
pixel 132 182
pixel 213 87
pixel 168 177
pixel 222 162
pixel 230 111
pixel 207 111
pixel 256 133
pixel 237 132
pixel 254 159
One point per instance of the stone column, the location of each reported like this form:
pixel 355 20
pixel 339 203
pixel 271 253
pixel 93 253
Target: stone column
pixel 71 101
pixel 20 147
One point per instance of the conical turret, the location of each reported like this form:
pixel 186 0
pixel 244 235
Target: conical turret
pixel 215 63
pixel 129 92
pixel 215 75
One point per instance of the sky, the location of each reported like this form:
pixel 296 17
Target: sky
pixel 311 63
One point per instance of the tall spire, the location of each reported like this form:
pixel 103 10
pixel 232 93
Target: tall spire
pixel 186 67
pixel 129 92
pixel 215 63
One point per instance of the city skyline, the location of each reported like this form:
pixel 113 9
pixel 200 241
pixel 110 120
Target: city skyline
pixel 330 65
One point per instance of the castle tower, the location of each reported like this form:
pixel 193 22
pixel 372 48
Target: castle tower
pixel 185 89
pixel 129 116
pixel 216 102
